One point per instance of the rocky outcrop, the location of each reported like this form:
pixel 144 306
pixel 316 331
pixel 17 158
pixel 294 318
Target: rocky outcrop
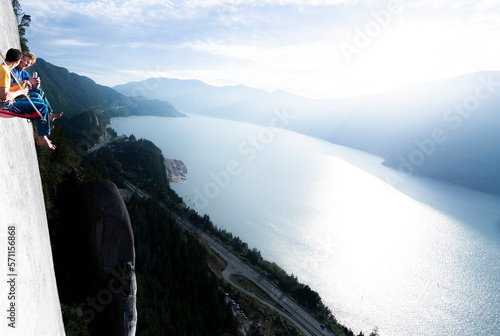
pixel 111 247
pixel 111 233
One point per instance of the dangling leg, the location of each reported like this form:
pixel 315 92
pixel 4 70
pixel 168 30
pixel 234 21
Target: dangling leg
pixel 43 141
pixel 42 128
pixel 38 93
pixel 54 116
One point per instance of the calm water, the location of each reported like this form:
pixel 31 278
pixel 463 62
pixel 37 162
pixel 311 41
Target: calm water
pixel 413 258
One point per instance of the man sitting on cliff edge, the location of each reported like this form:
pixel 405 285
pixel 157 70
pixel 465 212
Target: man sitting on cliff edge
pixel 22 75
pixel 8 93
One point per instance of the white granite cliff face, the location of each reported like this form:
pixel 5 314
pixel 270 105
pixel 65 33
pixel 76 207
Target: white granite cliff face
pixel 29 302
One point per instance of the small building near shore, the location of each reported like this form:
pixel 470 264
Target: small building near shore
pixel 176 171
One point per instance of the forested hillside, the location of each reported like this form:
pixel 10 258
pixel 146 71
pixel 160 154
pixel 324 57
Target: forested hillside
pixel 73 94
pixel 447 130
pixel 179 294
pixel 141 162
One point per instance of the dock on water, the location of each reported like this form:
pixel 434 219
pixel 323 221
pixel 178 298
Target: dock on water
pixel 176 170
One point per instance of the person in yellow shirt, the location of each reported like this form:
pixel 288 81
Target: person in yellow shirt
pixel 22 75
pixel 8 93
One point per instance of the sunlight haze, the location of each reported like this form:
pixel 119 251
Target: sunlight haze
pixel 319 49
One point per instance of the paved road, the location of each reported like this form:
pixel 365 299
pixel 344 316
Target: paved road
pixel 133 188
pixel 108 140
pixel 289 309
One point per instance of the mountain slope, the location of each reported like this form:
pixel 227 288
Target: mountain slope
pixel 240 103
pixel 455 137
pixel 73 94
pixel 191 96
pixel 444 129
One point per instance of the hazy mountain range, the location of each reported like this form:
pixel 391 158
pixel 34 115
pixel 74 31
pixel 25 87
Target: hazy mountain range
pixel 447 130
pixel 72 93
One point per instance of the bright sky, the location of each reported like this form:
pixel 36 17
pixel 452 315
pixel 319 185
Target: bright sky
pixel 314 48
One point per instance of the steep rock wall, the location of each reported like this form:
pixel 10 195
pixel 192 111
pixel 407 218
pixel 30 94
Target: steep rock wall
pixel 111 245
pixel 35 298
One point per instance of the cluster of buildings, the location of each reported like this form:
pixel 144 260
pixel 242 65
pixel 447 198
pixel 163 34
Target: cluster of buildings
pixel 176 170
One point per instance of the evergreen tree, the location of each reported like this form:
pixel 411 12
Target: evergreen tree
pixel 23 22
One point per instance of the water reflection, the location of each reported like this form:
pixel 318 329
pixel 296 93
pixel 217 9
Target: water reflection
pixel 417 258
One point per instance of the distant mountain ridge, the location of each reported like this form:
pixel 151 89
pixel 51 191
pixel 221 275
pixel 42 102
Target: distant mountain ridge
pixel 73 94
pixel 446 129
pixel 241 103
pixel 190 96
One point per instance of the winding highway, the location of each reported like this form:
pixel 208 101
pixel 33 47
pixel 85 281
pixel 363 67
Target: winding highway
pixel 289 309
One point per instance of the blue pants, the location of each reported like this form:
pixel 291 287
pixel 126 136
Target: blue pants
pixel 38 93
pixel 25 107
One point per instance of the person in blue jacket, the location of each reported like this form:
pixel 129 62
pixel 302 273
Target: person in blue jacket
pixel 8 93
pixel 33 84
